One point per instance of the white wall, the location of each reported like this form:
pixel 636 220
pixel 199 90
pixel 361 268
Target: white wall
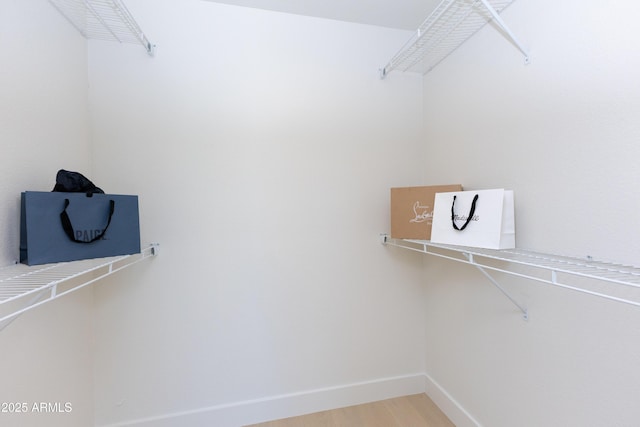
pixel 263 146
pixel 563 133
pixel 46 354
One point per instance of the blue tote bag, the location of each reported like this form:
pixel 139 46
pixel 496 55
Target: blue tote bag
pixel 59 227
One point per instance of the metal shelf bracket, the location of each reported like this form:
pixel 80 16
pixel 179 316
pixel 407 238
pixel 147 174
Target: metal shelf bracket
pixel 385 239
pixel 498 20
pixel 525 313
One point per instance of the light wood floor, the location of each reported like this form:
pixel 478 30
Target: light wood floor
pixel 409 411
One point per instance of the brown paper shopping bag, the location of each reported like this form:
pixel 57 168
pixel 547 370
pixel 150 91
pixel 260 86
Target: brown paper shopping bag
pixel 412 210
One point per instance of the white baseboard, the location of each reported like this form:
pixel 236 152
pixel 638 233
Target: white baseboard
pixel 287 405
pixel 452 409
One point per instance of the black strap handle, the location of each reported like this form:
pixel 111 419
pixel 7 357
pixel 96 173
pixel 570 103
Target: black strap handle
pixel 471 212
pixel 68 228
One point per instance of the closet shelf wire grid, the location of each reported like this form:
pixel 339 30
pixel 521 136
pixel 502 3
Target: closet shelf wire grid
pixel 23 287
pixel 609 280
pixel 103 20
pixel 447 27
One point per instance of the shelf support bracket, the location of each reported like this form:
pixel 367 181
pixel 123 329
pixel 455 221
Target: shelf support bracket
pixel 498 20
pixel 494 282
pixel 467 258
pixel 9 319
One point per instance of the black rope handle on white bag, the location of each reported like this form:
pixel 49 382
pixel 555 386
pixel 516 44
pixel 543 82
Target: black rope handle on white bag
pixel 68 228
pixel 471 212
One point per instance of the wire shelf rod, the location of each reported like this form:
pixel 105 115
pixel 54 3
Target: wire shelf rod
pixel 594 269
pixel 41 280
pixel 599 265
pixel 103 20
pixel 470 256
pixel 450 24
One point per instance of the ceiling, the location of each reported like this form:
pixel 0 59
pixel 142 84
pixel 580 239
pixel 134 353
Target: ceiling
pixel 400 14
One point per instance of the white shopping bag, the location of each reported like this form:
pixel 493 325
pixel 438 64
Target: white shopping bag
pixel 481 219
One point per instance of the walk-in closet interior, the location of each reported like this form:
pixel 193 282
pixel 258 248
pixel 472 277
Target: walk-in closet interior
pixel 262 139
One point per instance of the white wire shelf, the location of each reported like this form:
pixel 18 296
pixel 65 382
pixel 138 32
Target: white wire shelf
pixel 450 24
pixel 23 288
pixel 103 20
pixel 608 280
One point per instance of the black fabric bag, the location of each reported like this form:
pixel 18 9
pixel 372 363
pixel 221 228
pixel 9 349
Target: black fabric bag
pixel 65 226
pixel 74 182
